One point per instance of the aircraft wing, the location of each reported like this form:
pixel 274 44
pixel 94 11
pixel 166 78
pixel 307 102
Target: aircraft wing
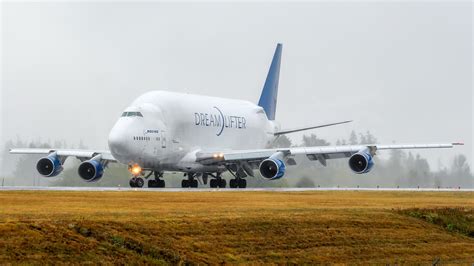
pixel 321 153
pixel 80 154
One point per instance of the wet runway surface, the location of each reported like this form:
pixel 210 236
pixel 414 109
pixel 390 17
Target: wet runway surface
pixel 25 188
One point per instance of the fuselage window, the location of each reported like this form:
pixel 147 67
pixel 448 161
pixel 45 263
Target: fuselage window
pixel 130 114
pixel 134 114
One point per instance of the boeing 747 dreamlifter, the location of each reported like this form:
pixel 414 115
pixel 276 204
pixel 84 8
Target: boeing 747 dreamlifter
pixel 204 137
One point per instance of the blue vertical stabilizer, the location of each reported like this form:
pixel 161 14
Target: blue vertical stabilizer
pixel 268 99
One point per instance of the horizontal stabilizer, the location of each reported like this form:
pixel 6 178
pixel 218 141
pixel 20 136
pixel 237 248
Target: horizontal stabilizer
pixel 286 131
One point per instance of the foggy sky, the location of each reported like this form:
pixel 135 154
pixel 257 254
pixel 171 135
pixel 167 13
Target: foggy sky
pixel 401 70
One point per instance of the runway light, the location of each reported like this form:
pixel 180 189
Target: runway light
pixel 135 169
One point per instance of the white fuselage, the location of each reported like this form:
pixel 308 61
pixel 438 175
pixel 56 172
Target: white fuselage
pixel 173 126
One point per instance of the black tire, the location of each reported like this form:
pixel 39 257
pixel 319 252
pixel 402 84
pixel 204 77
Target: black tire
pixel 133 182
pixel 222 183
pixel 161 183
pixel 242 183
pixel 184 183
pixel 152 183
pixel 140 182
pixel 194 183
pixel 233 183
pixel 213 183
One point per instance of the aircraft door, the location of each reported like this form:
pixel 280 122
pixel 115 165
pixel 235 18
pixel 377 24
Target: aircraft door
pixel 163 139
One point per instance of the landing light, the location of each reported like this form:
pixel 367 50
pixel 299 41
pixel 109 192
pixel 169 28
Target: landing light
pixel 135 169
pixel 218 156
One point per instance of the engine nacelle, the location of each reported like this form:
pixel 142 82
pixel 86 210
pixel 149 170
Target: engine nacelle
pixel 49 166
pixel 272 168
pixel 91 171
pixel 361 162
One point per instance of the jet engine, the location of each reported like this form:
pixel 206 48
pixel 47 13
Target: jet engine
pixel 273 167
pixel 91 170
pixel 361 162
pixel 49 166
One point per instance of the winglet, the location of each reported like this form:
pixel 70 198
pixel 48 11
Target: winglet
pixel 268 98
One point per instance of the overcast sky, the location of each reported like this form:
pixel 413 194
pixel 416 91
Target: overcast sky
pixel 401 70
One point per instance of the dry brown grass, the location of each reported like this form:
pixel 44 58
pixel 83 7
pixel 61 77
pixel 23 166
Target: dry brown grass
pixel 228 227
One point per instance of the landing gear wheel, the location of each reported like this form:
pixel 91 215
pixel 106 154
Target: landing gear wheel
pixel 156 183
pixel 161 183
pixel 133 182
pixel 213 183
pixel 194 183
pixel 233 183
pixel 139 182
pixel 242 183
pixel 222 183
pixel 184 183
pixel 152 183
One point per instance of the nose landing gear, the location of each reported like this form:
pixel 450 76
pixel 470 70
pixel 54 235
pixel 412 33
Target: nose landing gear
pixel 136 182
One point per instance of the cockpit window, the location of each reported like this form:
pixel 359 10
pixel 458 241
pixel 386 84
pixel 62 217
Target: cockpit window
pixel 132 114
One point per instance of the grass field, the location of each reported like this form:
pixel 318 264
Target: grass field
pixel 236 227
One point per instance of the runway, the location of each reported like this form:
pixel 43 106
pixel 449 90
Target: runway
pixel 31 188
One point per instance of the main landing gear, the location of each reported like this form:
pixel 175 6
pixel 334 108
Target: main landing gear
pixel 238 183
pixel 190 181
pixel 157 182
pixel 217 181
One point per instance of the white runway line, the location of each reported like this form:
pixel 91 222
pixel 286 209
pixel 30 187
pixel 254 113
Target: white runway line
pixel 20 188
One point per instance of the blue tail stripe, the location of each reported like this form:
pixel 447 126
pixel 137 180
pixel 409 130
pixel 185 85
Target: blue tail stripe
pixel 268 99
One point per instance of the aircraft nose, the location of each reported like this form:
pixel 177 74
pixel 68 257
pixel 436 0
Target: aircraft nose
pixel 118 143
